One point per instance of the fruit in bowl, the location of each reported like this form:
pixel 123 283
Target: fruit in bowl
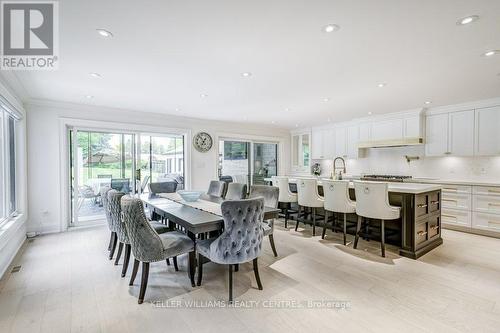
pixel 190 196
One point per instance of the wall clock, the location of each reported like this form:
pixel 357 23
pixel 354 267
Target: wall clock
pixel 202 141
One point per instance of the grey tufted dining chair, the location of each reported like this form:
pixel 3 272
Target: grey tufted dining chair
pixel 163 187
pixel 104 197
pixel 115 213
pixel 241 240
pixel 217 188
pixel 147 245
pixel 271 196
pixel 236 191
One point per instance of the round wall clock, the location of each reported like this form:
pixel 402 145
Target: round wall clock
pixel 202 142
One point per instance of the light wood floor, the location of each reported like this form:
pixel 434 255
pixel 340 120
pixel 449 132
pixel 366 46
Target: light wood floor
pixel 66 283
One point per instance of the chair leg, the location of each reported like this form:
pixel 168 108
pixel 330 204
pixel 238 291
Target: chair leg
pixel 126 259
pixel 175 263
pixel 192 267
pixel 144 281
pixel 345 228
pixel 236 267
pixel 287 213
pixel 134 272
pixel 168 262
pixel 200 269
pixel 298 217
pixel 324 226
pixel 358 229
pixel 230 269
pixel 314 221
pixel 271 240
pixel 256 272
pixel 113 246
pixel 119 253
pixel 110 241
pixel 382 237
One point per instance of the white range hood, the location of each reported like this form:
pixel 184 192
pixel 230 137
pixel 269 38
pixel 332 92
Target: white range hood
pixel 391 143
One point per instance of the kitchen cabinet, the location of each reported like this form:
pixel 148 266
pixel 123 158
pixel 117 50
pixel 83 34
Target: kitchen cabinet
pixel 341 142
pixel 387 129
pixel 317 144
pixel 365 131
pixel 323 143
pixel 352 141
pixel 301 152
pixel 487 133
pixel 450 134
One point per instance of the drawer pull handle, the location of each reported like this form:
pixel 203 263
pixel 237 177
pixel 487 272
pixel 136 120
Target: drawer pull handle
pixel 494 204
pixel 494 223
pixel 434 227
pixel 450 200
pixel 422 206
pixel 421 233
pixel 450 189
pixel 494 191
pixel 449 216
pixel 435 202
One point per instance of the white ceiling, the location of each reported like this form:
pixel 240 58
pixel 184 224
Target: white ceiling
pixel 164 54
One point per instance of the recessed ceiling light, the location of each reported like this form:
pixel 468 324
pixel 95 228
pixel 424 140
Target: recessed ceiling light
pixel 96 75
pixel 104 33
pixel 491 53
pixel 370 113
pixel 272 122
pixel 331 28
pixel 296 125
pixel 246 74
pixel 177 109
pixel 89 96
pixel 427 102
pixel 329 119
pixel 287 109
pixel 467 20
pixel 326 99
pixel 381 85
pixel 203 95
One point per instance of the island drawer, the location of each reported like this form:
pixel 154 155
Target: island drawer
pixel 486 190
pixel 456 201
pixel 421 234
pixel 456 217
pixel 426 203
pixel 457 188
pixel 486 204
pixel 486 221
pixel 434 226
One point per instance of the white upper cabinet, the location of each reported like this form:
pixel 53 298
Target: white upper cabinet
pixel 450 134
pixel 352 141
pixel 317 144
pixel 323 143
pixel 365 131
pixel 341 142
pixel 301 147
pixel 461 139
pixel 436 142
pixel 487 131
pixel 412 127
pixel 387 129
pixel 329 143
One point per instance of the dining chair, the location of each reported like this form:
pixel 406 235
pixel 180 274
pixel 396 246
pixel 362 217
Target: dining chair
pixel 308 197
pixel 163 187
pixel 286 196
pixel 144 183
pixel 147 245
pixel 270 195
pixel 104 197
pixel 240 242
pixel 217 188
pixel 337 200
pixel 236 191
pixel 372 202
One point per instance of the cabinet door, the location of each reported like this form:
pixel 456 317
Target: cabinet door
pixel 461 136
pixel 412 127
pixel 365 132
pixel 329 143
pixel 341 142
pixel 352 141
pixel 387 129
pixel 317 144
pixel 487 131
pixel 436 141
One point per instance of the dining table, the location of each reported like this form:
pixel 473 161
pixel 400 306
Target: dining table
pixel 197 218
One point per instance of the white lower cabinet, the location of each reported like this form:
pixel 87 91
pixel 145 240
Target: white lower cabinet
pixel 486 204
pixel 485 221
pixel 456 201
pixel 456 217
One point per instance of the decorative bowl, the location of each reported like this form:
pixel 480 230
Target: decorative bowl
pixel 190 196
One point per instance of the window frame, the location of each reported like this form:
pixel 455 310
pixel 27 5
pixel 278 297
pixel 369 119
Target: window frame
pixel 8 170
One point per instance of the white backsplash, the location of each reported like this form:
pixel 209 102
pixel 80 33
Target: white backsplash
pixel 393 161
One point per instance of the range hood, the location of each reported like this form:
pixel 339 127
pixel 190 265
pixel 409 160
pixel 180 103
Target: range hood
pixel 401 142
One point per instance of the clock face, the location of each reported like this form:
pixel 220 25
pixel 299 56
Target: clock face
pixel 202 142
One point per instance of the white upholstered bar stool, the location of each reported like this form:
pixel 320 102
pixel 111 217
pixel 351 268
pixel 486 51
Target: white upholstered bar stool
pixel 336 194
pixel 372 201
pixel 308 196
pixel 285 195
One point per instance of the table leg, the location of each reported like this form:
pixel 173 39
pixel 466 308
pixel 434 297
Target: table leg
pixel 192 260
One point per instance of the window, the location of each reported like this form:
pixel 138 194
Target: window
pixel 8 204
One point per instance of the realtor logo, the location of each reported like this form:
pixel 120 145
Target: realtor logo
pixel 30 35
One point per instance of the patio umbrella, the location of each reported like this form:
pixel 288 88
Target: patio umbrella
pixel 102 157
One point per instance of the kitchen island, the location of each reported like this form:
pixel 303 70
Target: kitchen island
pixel 418 231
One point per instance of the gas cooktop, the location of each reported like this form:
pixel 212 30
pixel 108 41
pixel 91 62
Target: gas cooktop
pixel 386 178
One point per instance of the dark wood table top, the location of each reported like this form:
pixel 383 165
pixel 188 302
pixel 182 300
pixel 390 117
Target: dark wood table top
pixel 194 220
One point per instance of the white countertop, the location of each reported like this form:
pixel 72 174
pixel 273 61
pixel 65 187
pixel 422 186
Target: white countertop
pixel 410 188
pixel 454 182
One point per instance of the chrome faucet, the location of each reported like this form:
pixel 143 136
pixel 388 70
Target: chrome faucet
pixel 335 166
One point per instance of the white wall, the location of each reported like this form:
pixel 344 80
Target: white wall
pixel 44 166
pixel 392 161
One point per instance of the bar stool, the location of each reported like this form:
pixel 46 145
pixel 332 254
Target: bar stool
pixel 308 196
pixel 372 201
pixel 285 195
pixel 336 194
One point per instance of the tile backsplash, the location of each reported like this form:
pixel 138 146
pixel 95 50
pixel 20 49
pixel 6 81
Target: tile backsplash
pixel 393 161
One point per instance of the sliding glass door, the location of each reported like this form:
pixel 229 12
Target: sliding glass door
pixel 247 162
